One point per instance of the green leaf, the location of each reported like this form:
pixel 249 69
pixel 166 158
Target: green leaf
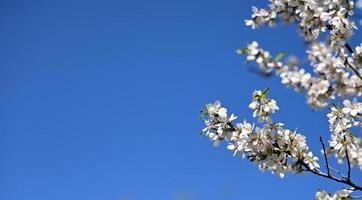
pixel 265 92
pixel 242 51
pixel 254 96
pixel 279 56
pixel 203 113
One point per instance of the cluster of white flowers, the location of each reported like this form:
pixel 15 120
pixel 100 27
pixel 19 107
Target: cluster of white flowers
pixel 263 106
pixel 339 195
pixel 219 124
pixel 337 66
pixel 312 16
pixel 261 16
pixel 357 56
pixel 263 58
pixel 272 146
pixel 343 142
pixel 332 77
pixel 317 88
pixel 336 74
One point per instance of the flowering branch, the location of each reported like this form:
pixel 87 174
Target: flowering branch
pixel 317 172
pixel 330 78
pixel 272 146
pixel 350 50
pixel 336 75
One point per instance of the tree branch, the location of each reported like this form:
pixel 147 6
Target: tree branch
pixel 353 69
pixel 338 172
pixel 356 197
pixel 319 173
pixel 349 166
pixel 325 155
pixel 350 50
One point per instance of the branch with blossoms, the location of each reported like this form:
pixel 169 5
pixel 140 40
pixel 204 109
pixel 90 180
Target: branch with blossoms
pixel 337 66
pixel 312 17
pixel 336 75
pixel 274 147
pixel 331 77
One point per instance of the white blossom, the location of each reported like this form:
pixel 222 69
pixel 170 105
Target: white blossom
pixel 335 76
pixel 262 105
pixel 312 16
pixel 343 142
pixel 218 125
pixel 339 195
pixel 352 108
pixel 272 146
pixel 311 160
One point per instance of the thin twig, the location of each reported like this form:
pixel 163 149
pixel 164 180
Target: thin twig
pixel 348 162
pixel 349 48
pixel 325 155
pixel 349 166
pixel 338 172
pixel 353 69
pixel 319 173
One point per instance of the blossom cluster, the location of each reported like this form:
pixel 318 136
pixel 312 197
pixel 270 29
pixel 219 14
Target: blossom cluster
pixel 333 75
pixel 339 195
pixel 263 106
pixel 312 16
pixel 336 65
pixel 317 89
pixel 343 142
pixel 272 146
pixel 219 123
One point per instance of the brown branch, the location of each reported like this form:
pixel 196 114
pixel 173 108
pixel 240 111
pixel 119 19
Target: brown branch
pixel 319 173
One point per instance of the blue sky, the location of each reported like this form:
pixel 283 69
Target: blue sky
pixel 100 100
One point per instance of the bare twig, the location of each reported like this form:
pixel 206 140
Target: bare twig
pixel 319 173
pixel 349 166
pixel 348 162
pixel 349 48
pixel 338 172
pixel 325 155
